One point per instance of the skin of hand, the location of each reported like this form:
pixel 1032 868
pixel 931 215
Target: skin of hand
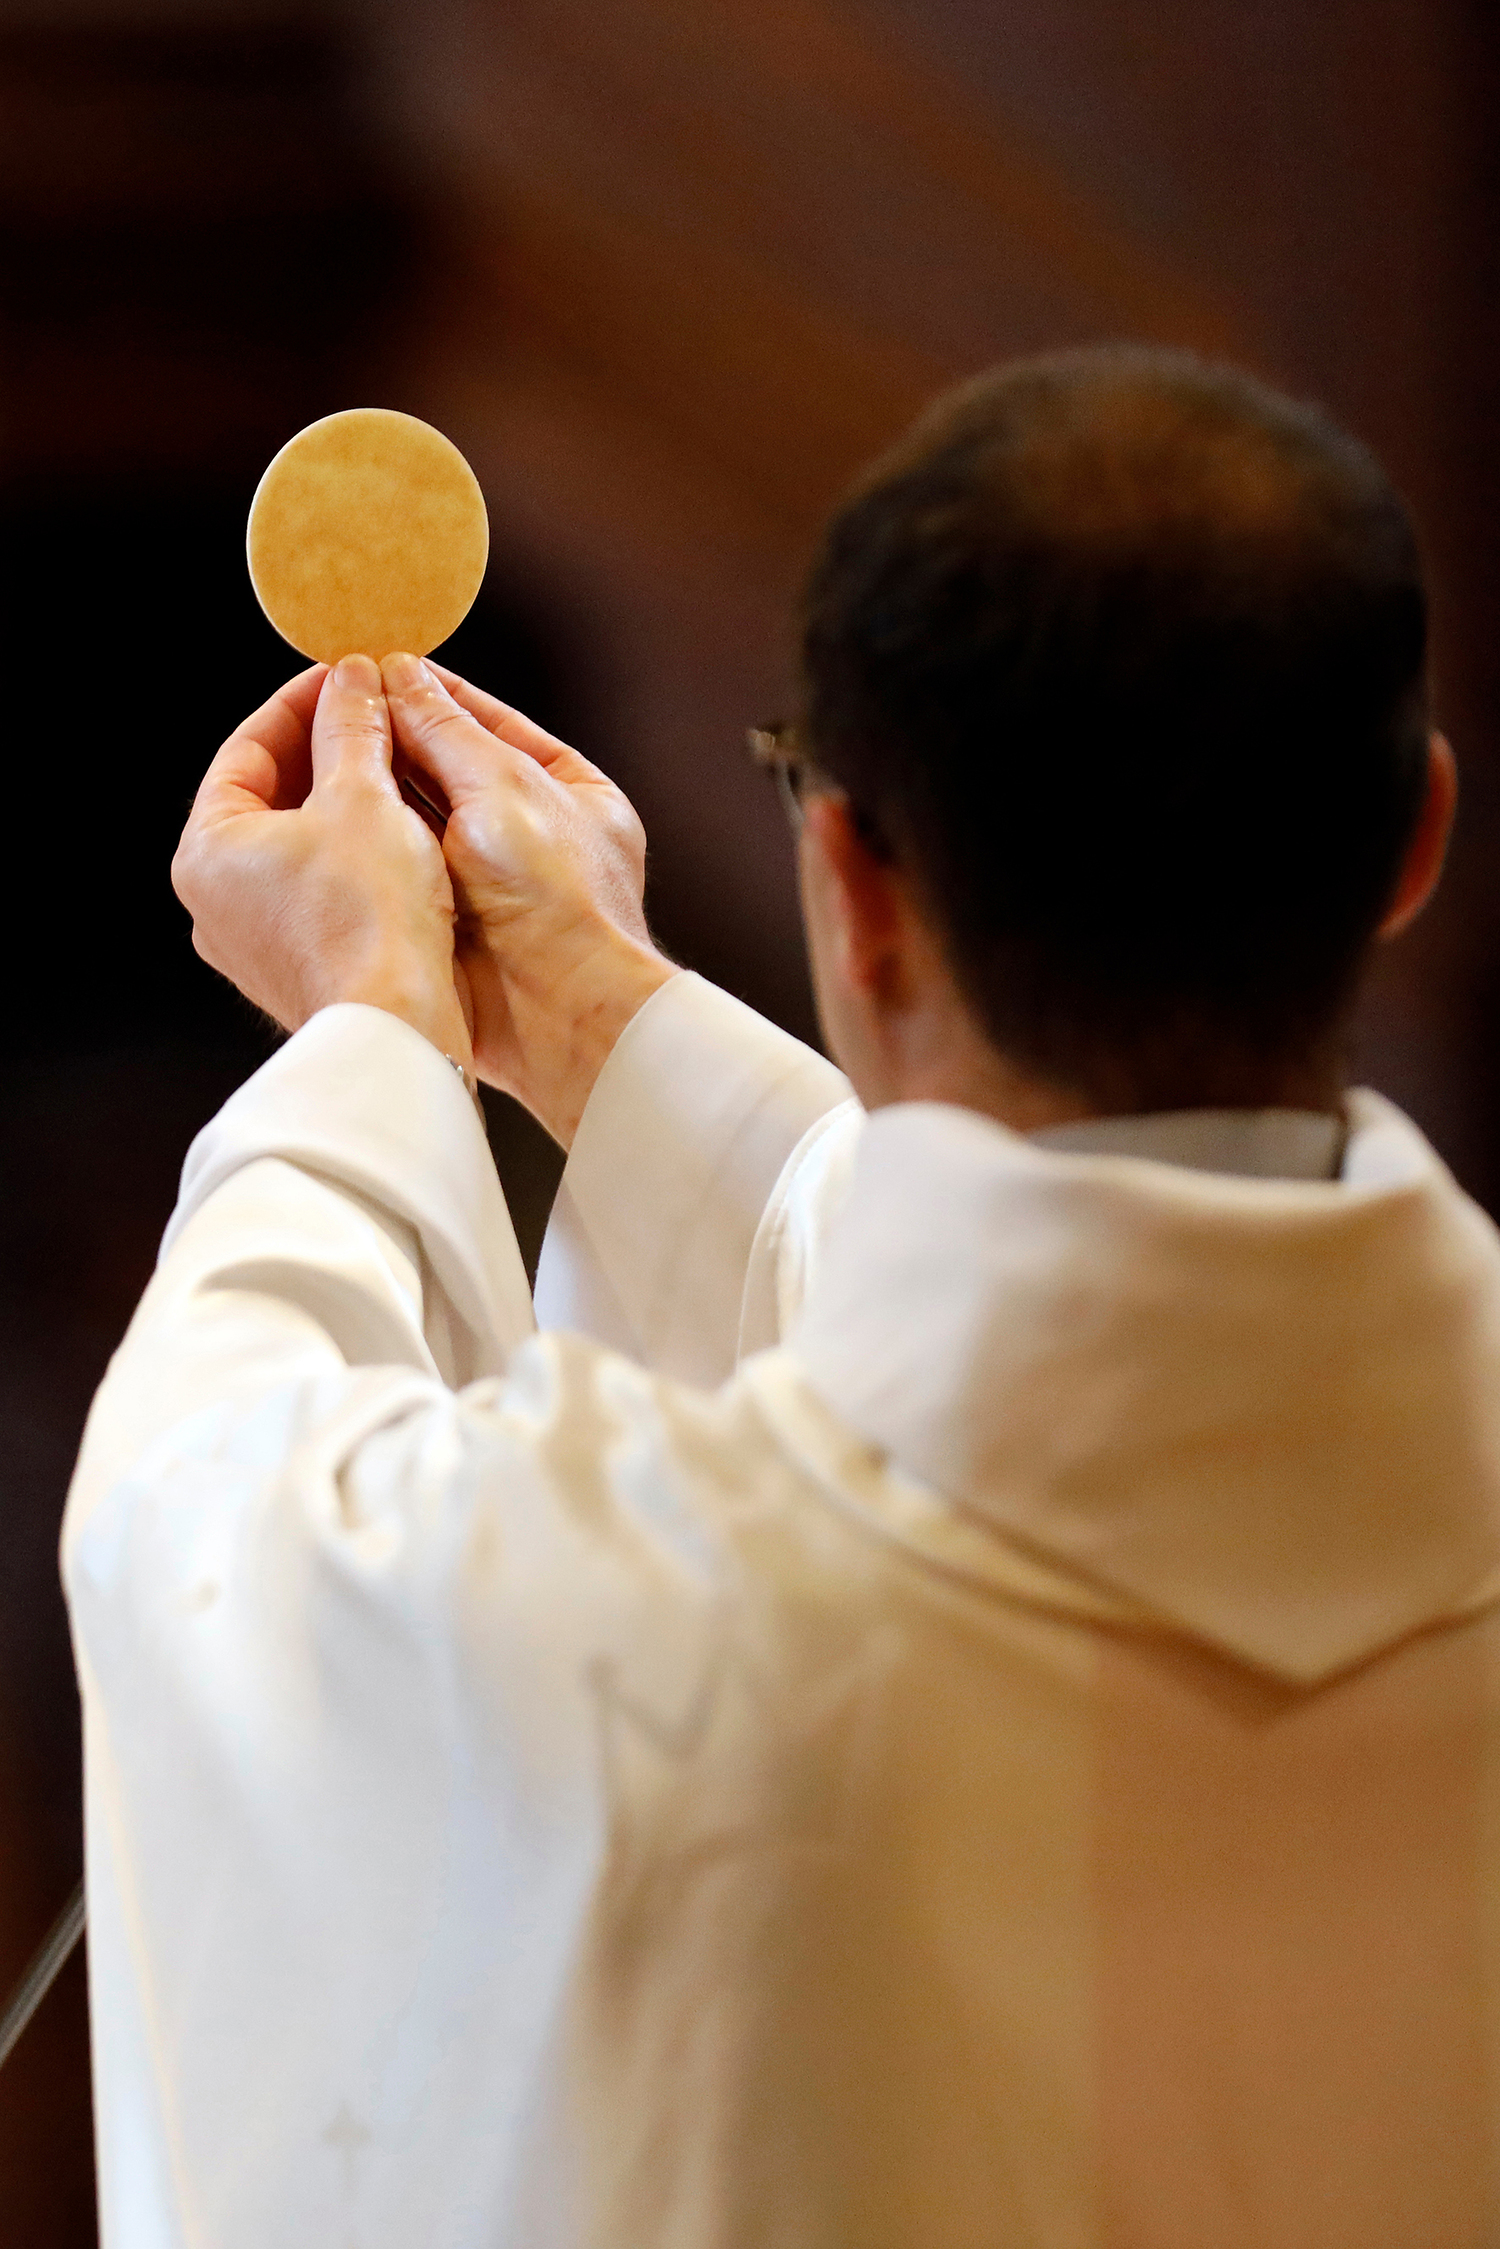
pixel 548 864
pixel 309 880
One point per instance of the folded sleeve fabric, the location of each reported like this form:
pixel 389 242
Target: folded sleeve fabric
pixel 340 1258
pixel 411 1267
pixel 658 1243
pixel 364 1102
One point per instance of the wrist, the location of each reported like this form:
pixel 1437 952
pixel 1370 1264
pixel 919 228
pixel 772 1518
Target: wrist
pixel 567 1031
pixel 418 998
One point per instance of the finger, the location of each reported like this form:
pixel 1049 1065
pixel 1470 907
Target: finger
pixel 411 777
pixel 351 728
pixel 503 720
pixel 418 794
pixel 266 760
pixel 445 745
pixel 561 760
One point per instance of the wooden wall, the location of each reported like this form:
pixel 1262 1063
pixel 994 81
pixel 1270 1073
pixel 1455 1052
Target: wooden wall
pixel 715 255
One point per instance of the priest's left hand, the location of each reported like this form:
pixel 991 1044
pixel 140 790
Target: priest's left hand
pixel 548 861
pixel 309 880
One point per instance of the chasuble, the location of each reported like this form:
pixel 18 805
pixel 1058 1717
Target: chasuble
pixel 948 1695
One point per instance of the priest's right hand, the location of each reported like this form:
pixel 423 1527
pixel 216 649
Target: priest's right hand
pixel 309 880
pixel 548 863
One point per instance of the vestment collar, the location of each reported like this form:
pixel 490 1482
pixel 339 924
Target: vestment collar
pixel 1268 1410
pixel 1241 1143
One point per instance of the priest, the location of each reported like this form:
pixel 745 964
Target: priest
pixel 942 1686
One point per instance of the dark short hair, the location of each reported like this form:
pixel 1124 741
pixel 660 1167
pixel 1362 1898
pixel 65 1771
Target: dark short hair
pixel 1124 656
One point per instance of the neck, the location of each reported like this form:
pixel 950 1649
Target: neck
pixel 941 1054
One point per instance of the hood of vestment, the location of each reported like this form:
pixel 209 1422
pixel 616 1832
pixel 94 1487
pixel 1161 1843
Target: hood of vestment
pixel 1267 1411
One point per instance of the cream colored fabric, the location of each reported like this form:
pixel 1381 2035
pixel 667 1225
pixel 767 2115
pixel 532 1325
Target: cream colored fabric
pixel 716 1152
pixel 1015 1765
pixel 660 1223
pixel 1237 1143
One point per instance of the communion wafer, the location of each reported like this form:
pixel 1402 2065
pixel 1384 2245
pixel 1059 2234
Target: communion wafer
pixel 367 534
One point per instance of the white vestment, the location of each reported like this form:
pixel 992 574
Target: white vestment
pixel 982 1733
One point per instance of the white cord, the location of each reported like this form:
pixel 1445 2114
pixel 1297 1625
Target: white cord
pixel 46 1966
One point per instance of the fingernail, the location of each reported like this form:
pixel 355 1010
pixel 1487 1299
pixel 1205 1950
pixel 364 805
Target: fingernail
pixel 360 675
pixel 406 673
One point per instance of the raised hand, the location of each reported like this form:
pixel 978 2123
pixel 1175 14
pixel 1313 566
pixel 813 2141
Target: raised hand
pixel 308 879
pixel 548 863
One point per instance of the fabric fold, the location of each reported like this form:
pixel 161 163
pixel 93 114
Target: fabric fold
pixel 360 1099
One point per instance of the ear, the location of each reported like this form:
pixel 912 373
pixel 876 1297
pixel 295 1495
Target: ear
pixel 1425 853
pixel 859 896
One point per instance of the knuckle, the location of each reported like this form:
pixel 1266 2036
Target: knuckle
pixel 184 869
pixel 352 726
pixel 426 718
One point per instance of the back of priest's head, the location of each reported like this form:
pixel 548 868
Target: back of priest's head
pixel 1123 656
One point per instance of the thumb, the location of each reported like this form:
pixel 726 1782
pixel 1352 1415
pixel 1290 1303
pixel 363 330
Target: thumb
pixel 351 728
pixel 441 738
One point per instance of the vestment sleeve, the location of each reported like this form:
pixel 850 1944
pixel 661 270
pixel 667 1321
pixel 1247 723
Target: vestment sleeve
pixel 678 1231
pixel 340 1258
pixel 277 1303
pixel 340 1612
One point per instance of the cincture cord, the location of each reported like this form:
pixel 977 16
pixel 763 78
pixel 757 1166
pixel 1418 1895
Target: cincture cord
pixel 46 1965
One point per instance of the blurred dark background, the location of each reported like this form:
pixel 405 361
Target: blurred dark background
pixel 667 270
